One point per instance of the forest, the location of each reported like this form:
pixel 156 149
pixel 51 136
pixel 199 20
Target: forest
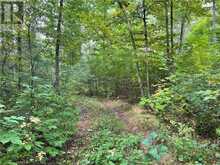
pixel 109 82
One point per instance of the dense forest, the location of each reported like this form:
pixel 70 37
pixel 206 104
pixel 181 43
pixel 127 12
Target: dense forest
pixel 110 82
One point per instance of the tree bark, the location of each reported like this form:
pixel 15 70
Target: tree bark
pixel 57 49
pixel 4 53
pixel 182 31
pixel 214 20
pixel 4 63
pixel 167 30
pixel 146 45
pixel 171 27
pixel 19 51
pixel 31 56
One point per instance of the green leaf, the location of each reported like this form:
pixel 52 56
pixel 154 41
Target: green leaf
pixel 218 131
pixel 154 153
pixel 4 140
pixel 10 137
pixel 28 147
pixel 16 140
pixel 52 151
pixel 151 137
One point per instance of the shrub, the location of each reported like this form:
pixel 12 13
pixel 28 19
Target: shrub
pixel 155 149
pixel 202 97
pixel 159 101
pixel 189 150
pixel 40 130
pixel 190 98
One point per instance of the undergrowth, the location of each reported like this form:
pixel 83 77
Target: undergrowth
pixel 109 145
pixel 44 121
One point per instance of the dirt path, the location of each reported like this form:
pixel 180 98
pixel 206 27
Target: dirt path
pixel 135 119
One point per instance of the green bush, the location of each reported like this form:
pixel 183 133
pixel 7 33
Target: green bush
pixel 190 151
pixel 188 98
pixel 155 149
pixel 39 129
pixel 202 96
pixel 159 101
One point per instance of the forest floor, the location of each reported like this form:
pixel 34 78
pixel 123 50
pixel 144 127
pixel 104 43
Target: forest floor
pixel 134 120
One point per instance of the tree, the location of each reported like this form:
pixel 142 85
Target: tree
pixel 214 20
pixel 57 49
pixel 146 43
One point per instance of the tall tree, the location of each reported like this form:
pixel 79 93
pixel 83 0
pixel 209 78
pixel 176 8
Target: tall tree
pixel 182 31
pixel 171 28
pixel 166 4
pixel 31 55
pixel 19 54
pixel 57 48
pixel 146 45
pixel 214 20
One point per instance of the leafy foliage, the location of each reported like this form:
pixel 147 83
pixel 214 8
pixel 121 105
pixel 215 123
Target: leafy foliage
pixel 189 150
pixel 192 97
pixel 41 134
pixel 155 151
pixel 109 148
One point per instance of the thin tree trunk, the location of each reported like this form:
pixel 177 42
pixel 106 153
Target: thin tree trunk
pixel 182 31
pixel 19 51
pixel 171 27
pixel 57 49
pixel 146 45
pixel 4 63
pixel 140 82
pixel 31 56
pixel 167 33
pixel 214 20
pixel 5 54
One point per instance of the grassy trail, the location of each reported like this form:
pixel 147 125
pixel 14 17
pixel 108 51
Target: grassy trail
pixel 129 118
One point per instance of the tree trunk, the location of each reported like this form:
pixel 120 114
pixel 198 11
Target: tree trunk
pixel 182 31
pixel 167 30
pixel 4 63
pixel 57 49
pixel 171 27
pixel 214 20
pixel 19 51
pixel 31 56
pixel 146 45
pixel 5 54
